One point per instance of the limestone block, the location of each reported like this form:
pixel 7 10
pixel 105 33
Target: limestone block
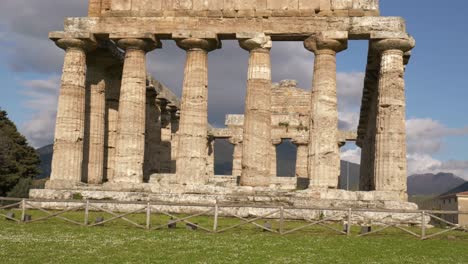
pixel 283 4
pixel 366 4
pixel 309 4
pixel 182 4
pixel 121 5
pixel 94 8
pixel 341 4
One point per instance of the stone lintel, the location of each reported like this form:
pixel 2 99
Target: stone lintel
pixel 221 133
pixel 56 35
pixel 194 34
pixel 388 35
pixel 234 120
pixel 164 92
pixel 338 35
pixel 344 136
pixel 279 28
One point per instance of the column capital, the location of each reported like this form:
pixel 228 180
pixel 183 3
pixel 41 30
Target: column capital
pixel 79 40
pixel 276 141
pixel 255 41
pixel 144 42
pixel 206 44
pixel 327 42
pixel 300 141
pixel 236 139
pixel 404 45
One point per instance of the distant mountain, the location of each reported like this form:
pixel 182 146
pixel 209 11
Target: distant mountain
pixel 458 189
pixel 45 154
pixel 432 184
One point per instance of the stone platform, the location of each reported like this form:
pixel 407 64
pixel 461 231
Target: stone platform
pixel 241 201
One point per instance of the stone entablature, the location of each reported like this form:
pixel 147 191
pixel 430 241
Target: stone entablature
pixel 234 8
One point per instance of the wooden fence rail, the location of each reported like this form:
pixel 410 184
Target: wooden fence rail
pixel 277 213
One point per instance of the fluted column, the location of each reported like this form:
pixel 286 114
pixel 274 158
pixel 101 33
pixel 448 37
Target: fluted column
pixel 152 134
pixel 193 134
pixel 113 84
pixel 96 84
pixel 175 117
pixel 390 141
pixel 236 141
pixel 257 147
pixel 301 159
pixel 274 157
pixel 367 143
pixel 210 161
pixel 130 147
pixel 324 154
pixel 67 160
pixel 167 145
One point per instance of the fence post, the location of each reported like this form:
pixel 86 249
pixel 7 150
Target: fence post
pixel 423 225
pixel 148 216
pixel 86 216
pixel 281 229
pixel 23 210
pixel 348 228
pixel 216 212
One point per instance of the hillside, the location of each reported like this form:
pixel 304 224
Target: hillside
pixel 432 184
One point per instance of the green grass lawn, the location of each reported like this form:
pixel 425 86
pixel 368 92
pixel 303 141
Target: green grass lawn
pixel 55 241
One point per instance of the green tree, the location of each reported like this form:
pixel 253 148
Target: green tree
pixel 19 163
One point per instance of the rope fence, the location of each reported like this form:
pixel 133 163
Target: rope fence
pixel 412 222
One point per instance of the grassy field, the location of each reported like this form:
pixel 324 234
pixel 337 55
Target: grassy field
pixel 56 241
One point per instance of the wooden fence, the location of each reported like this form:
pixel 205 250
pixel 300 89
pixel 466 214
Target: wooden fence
pixel 277 213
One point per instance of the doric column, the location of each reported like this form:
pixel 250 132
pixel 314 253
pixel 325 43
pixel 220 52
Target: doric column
pixel 67 160
pixel 324 154
pixel 167 144
pixel 112 112
pixel 210 161
pixel 131 128
pixel 152 134
pixel 301 158
pixel 193 134
pixel 274 157
pixel 390 170
pixel 257 147
pixel 236 141
pixel 368 121
pixel 174 128
pixel 96 86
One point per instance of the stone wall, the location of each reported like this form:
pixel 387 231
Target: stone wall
pixel 220 8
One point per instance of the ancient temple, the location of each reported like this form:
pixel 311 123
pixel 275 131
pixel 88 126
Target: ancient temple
pixel 121 134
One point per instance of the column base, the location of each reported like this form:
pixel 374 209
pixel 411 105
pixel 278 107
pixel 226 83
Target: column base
pixel 126 187
pixel 62 184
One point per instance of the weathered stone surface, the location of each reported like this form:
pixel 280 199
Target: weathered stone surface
pixel 324 155
pixel 193 135
pixel 131 126
pixel 134 129
pixel 256 158
pixel 390 141
pixel 236 7
pixel 67 161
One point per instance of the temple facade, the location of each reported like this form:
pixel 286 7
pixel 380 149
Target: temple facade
pixel 120 131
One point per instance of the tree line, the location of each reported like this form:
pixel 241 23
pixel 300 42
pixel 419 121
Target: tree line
pixel 19 162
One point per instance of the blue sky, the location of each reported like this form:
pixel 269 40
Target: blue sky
pixel 30 66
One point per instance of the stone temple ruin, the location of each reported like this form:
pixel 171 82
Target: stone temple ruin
pixel 122 135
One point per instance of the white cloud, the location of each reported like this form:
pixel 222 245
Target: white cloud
pixel 42 97
pixel 423 163
pixel 425 136
pixel 352 155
